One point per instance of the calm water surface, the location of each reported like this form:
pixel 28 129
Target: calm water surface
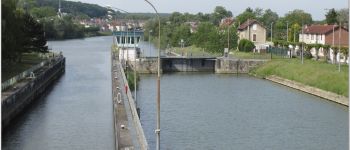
pixel 210 111
pixel 198 111
pixel 77 112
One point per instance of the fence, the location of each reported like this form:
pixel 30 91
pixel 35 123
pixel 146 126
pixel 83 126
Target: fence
pixel 278 52
pixel 10 82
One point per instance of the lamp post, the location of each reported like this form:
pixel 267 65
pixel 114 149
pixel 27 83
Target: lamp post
pixel 149 41
pixel 271 31
pixel 302 44
pixel 287 32
pixel 157 131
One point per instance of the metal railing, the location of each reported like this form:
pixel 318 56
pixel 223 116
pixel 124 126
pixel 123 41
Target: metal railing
pixel 10 82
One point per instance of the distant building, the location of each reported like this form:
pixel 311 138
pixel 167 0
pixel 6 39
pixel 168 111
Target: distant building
pixel 227 21
pixel 325 34
pixel 254 31
pixel 193 26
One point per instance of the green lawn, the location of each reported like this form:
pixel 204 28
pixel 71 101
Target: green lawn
pixel 313 73
pixel 249 55
pixel 195 51
pixel 10 70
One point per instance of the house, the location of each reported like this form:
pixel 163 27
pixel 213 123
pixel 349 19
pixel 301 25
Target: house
pixel 325 34
pixel 193 26
pixel 254 31
pixel 228 21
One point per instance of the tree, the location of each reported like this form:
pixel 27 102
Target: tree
pixel 268 17
pixel 41 12
pixel 345 52
pixel 219 13
pixel 177 18
pixel 247 14
pixel 246 45
pixel 298 16
pixel 343 16
pixel 326 51
pixel 331 16
pixel 34 36
pixel 181 32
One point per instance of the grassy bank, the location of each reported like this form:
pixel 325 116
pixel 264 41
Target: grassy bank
pixel 313 73
pixel 249 55
pixel 10 70
pixel 194 52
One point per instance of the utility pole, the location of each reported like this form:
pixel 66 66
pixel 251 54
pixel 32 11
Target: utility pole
pixel 287 32
pixel 228 37
pixel 302 44
pixel 157 130
pixel 340 28
pixel 271 31
pixel 249 29
pixel 149 41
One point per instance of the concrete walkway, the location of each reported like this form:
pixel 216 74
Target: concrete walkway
pixel 121 124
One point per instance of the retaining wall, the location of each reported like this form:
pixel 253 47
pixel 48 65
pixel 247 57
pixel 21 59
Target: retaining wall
pixel 227 65
pixel 16 98
pixel 311 90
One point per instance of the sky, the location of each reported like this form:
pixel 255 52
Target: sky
pixel 317 8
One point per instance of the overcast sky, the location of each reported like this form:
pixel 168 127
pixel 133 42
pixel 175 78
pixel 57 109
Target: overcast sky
pixel 315 7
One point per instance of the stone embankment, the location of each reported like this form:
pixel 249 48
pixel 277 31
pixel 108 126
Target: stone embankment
pixel 19 95
pixel 311 90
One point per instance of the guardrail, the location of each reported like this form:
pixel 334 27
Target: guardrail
pixel 135 117
pixel 10 82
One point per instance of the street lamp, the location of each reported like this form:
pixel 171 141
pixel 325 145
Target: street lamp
pixel 149 41
pixel 271 31
pixel 287 31
pixel 157 131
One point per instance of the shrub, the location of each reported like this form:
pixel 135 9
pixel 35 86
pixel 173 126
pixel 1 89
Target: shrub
pixel 246 45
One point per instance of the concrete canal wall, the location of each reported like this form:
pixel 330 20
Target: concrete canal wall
pixel 182 64
pixel 227 65
pixel 311 90
pixel 179 64
pixel 15 99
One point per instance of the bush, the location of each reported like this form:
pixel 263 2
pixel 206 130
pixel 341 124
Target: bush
pixel 245 45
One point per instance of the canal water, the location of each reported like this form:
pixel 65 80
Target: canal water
pixel 212 111
pixel 198 110
pixel 77 111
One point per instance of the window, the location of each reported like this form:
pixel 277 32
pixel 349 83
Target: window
pixel 254 37
pixel 312 37
pixel 254 27
pixel 321 37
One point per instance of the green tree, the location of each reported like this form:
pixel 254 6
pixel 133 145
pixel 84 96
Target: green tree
pixel 41 12
pixel 177 18
pixel 219 13
pixel 246 45
pixel 268 17
pixel 34 35
pixel 247 14
pixel 298 16
pixel 343 16
pixel 181 32
pixel 331 16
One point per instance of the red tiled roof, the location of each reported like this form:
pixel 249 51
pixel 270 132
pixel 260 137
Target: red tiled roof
pixel 319 29
pixel 248 23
